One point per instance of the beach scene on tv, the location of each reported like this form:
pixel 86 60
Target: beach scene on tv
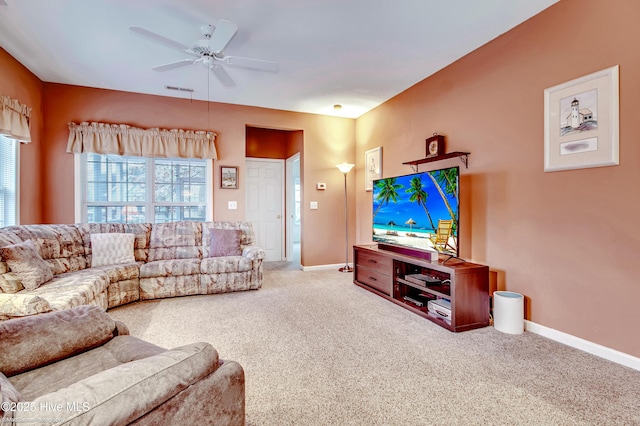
pixel 418 210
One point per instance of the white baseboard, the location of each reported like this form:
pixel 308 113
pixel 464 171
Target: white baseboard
pixel 584 345
pixel 324 267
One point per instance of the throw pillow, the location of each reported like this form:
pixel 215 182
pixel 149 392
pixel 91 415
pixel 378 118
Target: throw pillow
pixel 225 242
pixel 112 249
pixel 25 263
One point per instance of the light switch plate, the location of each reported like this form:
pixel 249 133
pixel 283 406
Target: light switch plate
pixel 313 205
pixel 233 205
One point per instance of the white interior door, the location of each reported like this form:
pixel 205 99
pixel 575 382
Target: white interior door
pixel 265 204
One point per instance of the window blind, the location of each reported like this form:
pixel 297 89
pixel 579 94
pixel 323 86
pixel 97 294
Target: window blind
pixel 8 181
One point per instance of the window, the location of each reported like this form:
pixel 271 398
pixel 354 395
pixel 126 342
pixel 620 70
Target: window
pixel 8 181
pixel 118 189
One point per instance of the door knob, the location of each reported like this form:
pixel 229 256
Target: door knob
pixel 278 217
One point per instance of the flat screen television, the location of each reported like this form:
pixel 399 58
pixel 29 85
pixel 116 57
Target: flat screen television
pixel 419 211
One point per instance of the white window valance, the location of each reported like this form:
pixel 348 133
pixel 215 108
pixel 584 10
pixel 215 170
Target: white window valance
pixel 14 119
pixel 121 139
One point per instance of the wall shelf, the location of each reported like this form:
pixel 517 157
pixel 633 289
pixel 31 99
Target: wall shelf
pixel 464 157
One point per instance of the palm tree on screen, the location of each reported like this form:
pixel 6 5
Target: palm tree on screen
pixel 388 191
pixel 450 184
pixel 419 195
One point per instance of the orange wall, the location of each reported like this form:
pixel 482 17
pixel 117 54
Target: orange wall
pixel 569 241
pixel 328 140
pixel 19 83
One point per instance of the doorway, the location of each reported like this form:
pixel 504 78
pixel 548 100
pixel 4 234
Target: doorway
pixel 294 202
pixel 284 147
pixel 265 205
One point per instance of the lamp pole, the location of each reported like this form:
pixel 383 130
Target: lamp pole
pixel 345 168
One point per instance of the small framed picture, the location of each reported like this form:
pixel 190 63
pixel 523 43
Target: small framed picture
pixel 373 167
pixel 228 177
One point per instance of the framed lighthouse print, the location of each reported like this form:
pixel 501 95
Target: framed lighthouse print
pixel 581 122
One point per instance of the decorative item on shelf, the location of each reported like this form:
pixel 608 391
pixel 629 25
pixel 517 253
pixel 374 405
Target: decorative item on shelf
pixel 345 168
pixel 435 145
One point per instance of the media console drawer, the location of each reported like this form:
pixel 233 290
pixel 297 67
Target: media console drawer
pixel 374 261
pixel 375 279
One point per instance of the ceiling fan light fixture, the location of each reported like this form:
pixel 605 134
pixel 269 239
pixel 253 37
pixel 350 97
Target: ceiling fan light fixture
pixel 207 30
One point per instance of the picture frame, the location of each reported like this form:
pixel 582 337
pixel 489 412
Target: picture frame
pixel 581 122
pixel 228 177
pixel 372 167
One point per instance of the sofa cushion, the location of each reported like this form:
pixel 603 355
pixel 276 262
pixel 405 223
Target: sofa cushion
pixel 7 238
pixel 247 236
pixel 142 232
pixel 224 242
pixel 175 240
pixel 22 304
pixel 167 268
pixel 126 271
pixel 227 264
pixel 112 249
pixel 53 377
pixel 77 288
pixel 25 263
pixel 60 246
pixel 30 342
pixel 126 392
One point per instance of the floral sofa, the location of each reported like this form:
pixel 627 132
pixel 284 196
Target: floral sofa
pixel 46 268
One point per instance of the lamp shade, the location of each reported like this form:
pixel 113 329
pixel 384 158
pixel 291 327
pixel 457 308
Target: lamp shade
pixel 345 167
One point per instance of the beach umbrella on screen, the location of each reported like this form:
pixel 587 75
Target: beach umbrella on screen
pixel 410 222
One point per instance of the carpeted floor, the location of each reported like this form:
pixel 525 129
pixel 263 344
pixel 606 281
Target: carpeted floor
pixel 318 350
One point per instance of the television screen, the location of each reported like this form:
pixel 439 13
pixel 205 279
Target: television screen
pixel 419 210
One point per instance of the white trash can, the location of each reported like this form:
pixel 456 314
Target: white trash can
pixel 508 312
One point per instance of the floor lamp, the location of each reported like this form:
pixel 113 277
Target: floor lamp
pixel 345 168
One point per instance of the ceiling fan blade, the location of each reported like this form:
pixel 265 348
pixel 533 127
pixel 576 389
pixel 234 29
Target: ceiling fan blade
pixel 256 64
pixel 172 65
pixel 222 75
pixel 224 32
pixel 159 39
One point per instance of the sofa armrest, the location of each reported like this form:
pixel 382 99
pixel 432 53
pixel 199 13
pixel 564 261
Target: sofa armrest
pixel 31 342
pixel 253 253
pixel 219 398
pixel 124 393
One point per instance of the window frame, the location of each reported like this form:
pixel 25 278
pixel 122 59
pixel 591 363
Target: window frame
pixel 16 178
pixel 80 189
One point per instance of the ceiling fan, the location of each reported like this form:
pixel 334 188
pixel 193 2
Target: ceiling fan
pixel 208 51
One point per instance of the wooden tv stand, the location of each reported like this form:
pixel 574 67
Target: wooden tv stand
pixel 382 269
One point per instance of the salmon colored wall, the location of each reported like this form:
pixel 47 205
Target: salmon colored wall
pixel 19 83
pixel 569 241
pixel 328 140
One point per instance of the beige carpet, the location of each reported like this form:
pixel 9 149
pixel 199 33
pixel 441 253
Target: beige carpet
pixel 318 350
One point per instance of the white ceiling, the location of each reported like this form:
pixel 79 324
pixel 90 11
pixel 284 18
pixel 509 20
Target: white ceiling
pixel 358 53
